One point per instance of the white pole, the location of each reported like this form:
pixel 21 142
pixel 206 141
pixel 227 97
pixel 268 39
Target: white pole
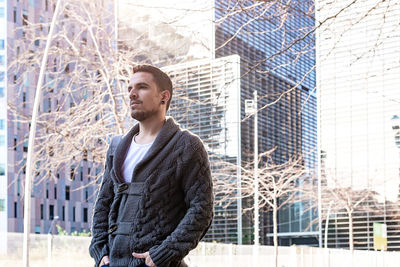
pixel 256 208
pixel 32 133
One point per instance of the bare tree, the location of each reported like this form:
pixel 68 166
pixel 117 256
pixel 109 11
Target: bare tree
pixel 278 185
pixel 84 99
pixel 340 197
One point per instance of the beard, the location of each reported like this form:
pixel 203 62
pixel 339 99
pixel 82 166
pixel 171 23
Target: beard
pixel 141 115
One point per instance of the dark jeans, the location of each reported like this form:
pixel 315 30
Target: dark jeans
pixel 182 264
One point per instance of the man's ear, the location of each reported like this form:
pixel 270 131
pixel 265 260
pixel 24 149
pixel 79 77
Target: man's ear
pixel 165 96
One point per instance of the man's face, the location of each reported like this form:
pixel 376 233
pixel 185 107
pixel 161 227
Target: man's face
pixel 145 98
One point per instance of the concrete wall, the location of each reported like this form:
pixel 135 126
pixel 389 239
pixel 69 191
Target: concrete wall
pixel 73 251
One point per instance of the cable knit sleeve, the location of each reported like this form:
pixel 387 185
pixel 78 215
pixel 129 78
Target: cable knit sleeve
pixel 98 246
pixel 197 187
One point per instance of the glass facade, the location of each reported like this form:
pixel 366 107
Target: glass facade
pixel 3 126
pixel 358 84
pixel 285 83
pixel 206 101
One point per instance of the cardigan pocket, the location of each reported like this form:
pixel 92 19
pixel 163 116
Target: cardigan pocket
pixel 132 194
pixel 119 250
pixel 119 240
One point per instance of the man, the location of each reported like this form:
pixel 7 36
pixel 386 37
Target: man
pixel 155 201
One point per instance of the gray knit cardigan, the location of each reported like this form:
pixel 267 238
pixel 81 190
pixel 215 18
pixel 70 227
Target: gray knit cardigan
pixel 172 190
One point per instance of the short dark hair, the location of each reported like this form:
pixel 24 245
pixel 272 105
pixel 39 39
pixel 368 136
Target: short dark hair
pixel 160 78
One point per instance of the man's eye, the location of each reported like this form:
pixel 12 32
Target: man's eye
pixel 129 88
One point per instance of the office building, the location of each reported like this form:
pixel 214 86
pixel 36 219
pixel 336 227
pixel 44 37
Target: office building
pixel 3 121
pixel 58 192
pixel 358 73
pixel 289 125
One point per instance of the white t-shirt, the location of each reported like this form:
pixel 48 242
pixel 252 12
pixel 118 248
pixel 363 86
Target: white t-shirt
pixel 135 154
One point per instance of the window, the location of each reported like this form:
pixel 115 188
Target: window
pixel 63 213
pixel 15 15
pixel 85 215
pixel 73 214
pixel 26 146
pixel 1 76
pixel 72 172
pixel 2 140
pixel 49 104
pixel 2 60
pixel 47 190
pixel 37 229
pixel 86 194
pixel 2 204
pixel 23 98
pixel 2 12
pixel 2 169
pixel 25 79
pixel 55 191
pixel 51 152
pixel 25 17
pixel 55 65
pixel 67 192
pixel 2 123
pixel 1 91
pixel 41 212
pixel 51 212
pixel 18 187
pixel 15 210
pixel 2 44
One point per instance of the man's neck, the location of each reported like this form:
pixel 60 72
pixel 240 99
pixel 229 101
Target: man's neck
pixel 149 129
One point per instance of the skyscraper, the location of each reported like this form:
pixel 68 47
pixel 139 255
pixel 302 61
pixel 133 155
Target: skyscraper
pixel 285 83
pixel 358 74
pixel 3 120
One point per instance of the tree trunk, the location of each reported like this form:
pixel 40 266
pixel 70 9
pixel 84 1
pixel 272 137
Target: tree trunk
pixel 275 226
pixel 351 244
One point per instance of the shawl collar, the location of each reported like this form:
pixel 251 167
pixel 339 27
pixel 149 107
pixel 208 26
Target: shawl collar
pixel 166 133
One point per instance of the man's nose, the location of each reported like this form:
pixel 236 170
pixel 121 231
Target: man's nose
pixel 133 94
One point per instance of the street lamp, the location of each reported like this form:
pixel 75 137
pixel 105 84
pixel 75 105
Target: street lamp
pixel 251 108
pixel 49 241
